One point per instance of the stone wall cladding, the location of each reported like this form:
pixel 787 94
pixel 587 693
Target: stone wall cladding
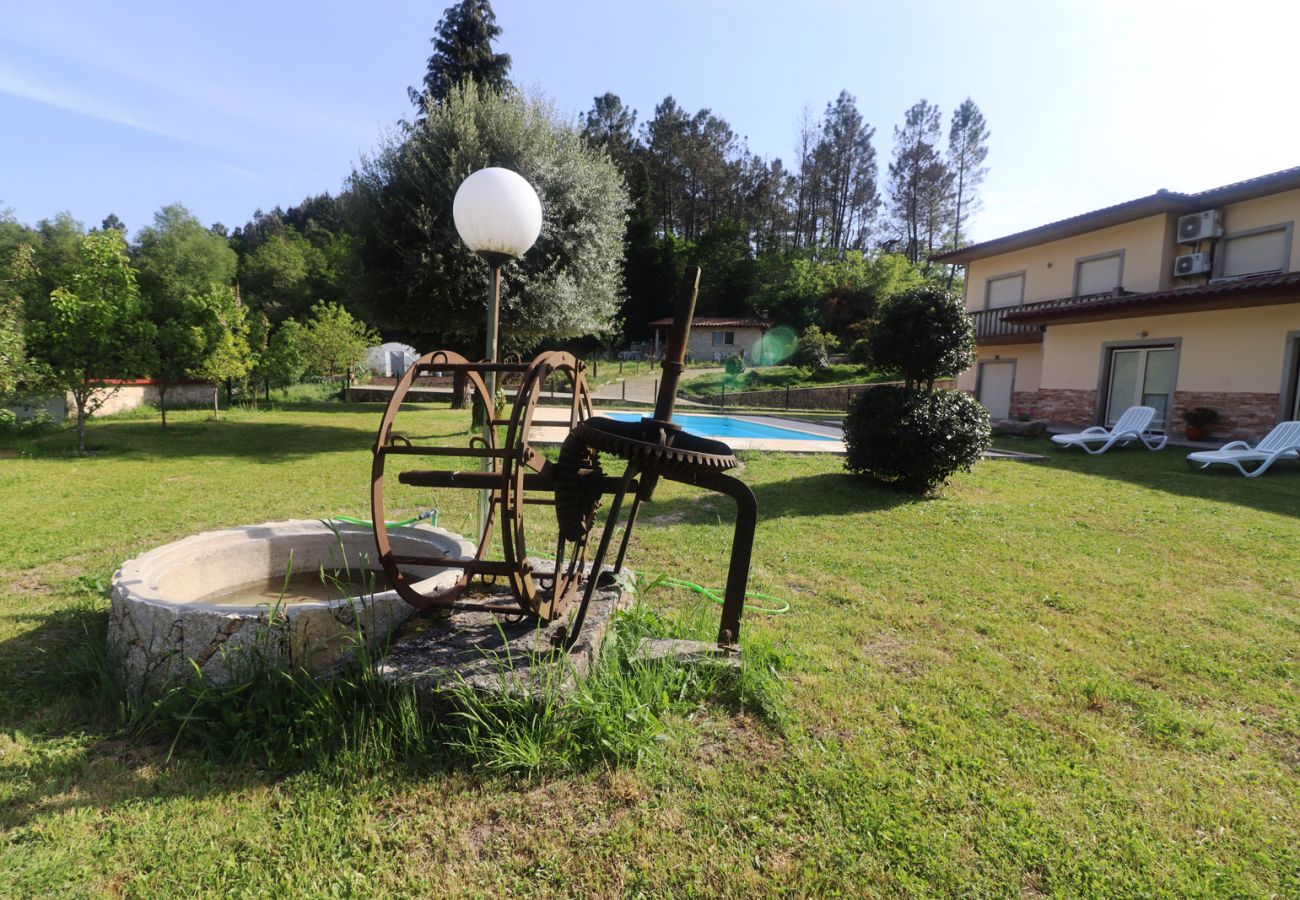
pixel 1065 407
pixel 1242 416
pixel 1024 404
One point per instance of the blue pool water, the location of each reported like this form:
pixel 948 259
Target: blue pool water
pixel 726 426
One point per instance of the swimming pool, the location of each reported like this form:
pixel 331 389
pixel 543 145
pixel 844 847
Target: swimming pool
pixel 731 427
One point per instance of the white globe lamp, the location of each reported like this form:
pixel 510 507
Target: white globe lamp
pixel 498 216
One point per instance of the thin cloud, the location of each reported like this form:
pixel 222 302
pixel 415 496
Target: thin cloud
pixel 16 85
pixel 242 173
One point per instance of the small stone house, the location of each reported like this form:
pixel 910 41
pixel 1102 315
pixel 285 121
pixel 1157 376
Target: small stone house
pixel 1171 300
pixel 716 338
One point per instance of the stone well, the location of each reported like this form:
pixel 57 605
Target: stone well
pixel 167 616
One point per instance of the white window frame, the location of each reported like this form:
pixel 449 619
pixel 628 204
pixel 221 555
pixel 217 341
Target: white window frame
pixel 1221 250
pixel 1104 373
pixel 988 288
pixel 1078 264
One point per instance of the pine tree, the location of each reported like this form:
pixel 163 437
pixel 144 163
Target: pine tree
pixel 967 150
pixel 920 183
pixel 462 51
pixel 850 173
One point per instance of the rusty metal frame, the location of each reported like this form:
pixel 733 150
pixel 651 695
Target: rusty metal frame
pixel 519 476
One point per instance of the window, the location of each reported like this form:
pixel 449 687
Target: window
pixel 1005 290
pixel 724 338
pixel 1141 376
pixel 1259 251
pixel 1098 274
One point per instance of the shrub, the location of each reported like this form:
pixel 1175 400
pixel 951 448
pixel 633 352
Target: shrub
pixel 922 334
pixel 813 349
pixel 914 439
pixel 735 364
pixel 860 352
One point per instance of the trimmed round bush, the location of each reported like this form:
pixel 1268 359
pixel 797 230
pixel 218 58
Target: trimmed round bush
pixel 913 439
pixel 860 351
pixel 734 364
pixel 922 334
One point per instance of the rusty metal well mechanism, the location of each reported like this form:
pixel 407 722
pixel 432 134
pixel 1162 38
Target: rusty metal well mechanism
pixel 518 476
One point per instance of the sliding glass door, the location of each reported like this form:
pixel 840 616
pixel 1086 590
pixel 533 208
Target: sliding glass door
pixel 1141 376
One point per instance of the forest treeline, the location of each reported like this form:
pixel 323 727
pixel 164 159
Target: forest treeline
pixel 817 240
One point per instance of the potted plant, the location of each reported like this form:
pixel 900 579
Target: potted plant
pixel 1199 419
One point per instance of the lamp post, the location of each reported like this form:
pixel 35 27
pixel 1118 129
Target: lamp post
pixel 498 216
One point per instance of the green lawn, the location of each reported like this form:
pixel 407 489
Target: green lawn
pixel 1073 677
pixel 768 378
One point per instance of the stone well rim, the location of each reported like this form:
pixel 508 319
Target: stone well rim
pixel 137 580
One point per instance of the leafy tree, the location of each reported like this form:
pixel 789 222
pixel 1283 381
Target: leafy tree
pixel 462 51
pixel 176 255
pixel 112 221
pixel 967 149
pixel 725 255
pixel 285 360
pixel 922 334
pixel 16 267
pixel 419 275
pixel 920 183
pixel 57 254
pixel 92 329
pixel 275 275
pixel 333 341
pixel 227 354
pixel 184 272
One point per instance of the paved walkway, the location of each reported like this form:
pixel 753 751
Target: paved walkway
pixel 644 388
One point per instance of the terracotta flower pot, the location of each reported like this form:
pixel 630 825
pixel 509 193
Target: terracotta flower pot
pixel 1197 433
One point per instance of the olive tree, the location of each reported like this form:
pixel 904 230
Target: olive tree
pixel 418 275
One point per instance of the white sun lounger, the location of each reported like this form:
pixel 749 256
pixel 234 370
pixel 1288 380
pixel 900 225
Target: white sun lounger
pixel 1283 442
pixel 1134 425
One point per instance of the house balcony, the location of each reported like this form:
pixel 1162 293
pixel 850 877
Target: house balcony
pixel 990 329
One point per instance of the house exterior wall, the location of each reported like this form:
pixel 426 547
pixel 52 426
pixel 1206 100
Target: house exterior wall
pixel 1274 209
pixel 1224 350
pixel 1029 365
pixel 1232 360
pixel 1228 359
pixel 700 343
pixel 130 396
pixel 1050 268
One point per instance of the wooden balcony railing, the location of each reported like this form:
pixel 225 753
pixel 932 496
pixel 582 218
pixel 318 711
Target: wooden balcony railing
pixel 990 329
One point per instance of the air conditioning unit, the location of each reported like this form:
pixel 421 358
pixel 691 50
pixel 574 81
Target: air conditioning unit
pixel 1201 226
pixel 1190 265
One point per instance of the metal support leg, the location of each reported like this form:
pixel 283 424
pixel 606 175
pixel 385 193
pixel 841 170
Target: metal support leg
pixel 742 550
pixel 575 627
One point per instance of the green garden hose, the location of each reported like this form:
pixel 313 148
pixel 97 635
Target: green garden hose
pixel 431 514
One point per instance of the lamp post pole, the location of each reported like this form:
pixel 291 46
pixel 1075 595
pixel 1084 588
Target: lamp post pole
pixel 488 464
pixel 499 216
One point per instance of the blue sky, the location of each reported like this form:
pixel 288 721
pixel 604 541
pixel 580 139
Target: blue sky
pixel 234 106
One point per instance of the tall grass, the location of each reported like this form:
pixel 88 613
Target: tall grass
pixel 279 719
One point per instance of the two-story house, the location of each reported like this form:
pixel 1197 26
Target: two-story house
pixel 1171 300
